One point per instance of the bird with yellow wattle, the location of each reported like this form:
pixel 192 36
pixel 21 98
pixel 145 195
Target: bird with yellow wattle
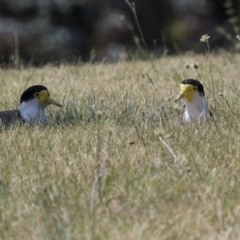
pixel 33 103
pixel 193 96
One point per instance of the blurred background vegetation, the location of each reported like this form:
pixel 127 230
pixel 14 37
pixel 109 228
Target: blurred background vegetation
pixel 37 32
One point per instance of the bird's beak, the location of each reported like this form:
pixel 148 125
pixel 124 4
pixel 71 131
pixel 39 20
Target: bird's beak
pixel 186 91
pixel 45 98
pixel 180 96
pixel 52 101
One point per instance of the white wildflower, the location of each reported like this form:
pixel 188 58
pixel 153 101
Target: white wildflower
pixel 204 38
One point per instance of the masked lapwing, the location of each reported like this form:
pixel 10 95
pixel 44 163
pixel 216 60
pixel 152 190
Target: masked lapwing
pixel 193 97
pixel 33 103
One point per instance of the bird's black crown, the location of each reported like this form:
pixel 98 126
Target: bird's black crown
pixel 194 83
pixel 28 94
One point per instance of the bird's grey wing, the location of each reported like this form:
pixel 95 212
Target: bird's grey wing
pixel 8 117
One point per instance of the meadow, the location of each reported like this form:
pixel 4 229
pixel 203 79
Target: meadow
pixel 117 162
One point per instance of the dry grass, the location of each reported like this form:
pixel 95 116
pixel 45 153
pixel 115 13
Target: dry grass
pixel 101 172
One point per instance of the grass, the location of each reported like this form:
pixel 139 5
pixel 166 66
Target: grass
pixel 100 171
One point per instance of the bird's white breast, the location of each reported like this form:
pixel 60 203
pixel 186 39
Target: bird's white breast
pixel 32 113
pixel 196 109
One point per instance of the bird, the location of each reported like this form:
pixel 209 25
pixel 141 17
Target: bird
pixel 193 97
pixel 33 102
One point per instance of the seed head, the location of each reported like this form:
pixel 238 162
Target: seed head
pixel 158 133
pixel 99 114
pixel 131 143
pixel 110 133
pixel 204 38
pixel 186 65
pixel 195 65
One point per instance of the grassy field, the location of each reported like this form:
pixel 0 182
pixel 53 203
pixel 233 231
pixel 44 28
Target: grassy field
pixel 116 161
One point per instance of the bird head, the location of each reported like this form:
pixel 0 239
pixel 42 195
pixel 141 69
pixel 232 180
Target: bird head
pixel 39 93
pixel 33 102
pixel 187 89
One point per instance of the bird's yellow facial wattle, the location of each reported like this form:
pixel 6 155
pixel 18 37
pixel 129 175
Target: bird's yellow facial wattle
pixel 44 98
pixel 186 91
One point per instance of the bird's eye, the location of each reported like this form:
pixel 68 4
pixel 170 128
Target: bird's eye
pixel 195 88
pixel 36 94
